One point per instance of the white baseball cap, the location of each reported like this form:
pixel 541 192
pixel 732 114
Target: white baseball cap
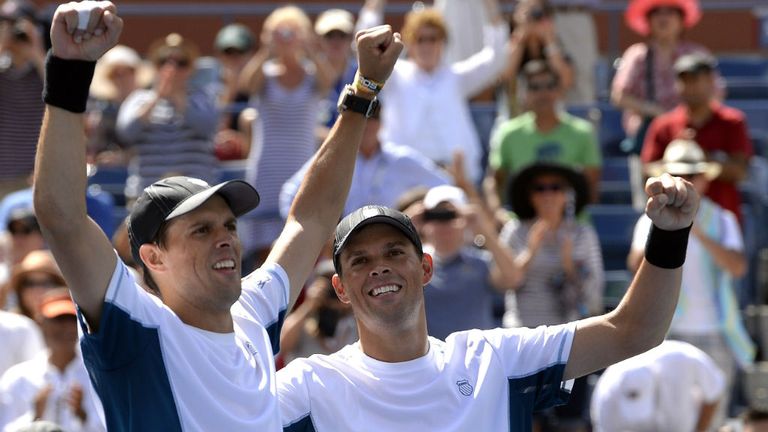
pixel 445 193
pixel 335 19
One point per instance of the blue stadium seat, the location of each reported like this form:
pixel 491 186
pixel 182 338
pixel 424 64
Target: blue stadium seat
pixel 610 131
pixel 615 187
pixel 743 66
pixel 614 225
pixel 756 112
pixel 746 88
pixel 232 170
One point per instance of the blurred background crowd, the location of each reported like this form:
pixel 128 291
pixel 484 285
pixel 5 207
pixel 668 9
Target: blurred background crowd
pixel 516 134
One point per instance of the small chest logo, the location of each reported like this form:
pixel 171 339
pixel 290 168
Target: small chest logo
pixel 251 349
pixel 465 387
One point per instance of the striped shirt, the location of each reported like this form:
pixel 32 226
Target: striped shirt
pixel 171 141
pixel 287 140
pixel 21 113
pixel 545 298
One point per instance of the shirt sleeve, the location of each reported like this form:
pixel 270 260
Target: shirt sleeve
pixel 710 380
pixel 478 71
pixel 265 299
pixel 628 78
pixel 655 141
pixel 731 237
pixel 496 158
pixel 127 315
pixel 293 394
pixel 534 361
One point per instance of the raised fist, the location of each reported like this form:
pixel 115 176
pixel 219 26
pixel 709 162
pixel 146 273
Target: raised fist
pixel 377 51
pixel 85 30
pixel 672 202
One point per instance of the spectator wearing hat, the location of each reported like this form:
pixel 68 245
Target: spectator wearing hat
pixel 53 386
pixel 559 259
pixel 719 130
pixel 234 46
pixel 466 279
pixel 286 79
pixel 22 54
pixel 32 278
pixel 169 127
pixel 115 78
pixel 674 387
pixel 644 84
pixel 707 314
pixel 544 133
pixel 383 172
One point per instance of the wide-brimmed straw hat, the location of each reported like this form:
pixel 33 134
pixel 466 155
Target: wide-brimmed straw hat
pixel 684 157
pixel 636 15
pixel 519 190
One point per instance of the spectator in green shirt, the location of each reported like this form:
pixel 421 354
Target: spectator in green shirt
pixel 544 133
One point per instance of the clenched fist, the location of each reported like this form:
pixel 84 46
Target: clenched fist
pixel 85 30
pixel 377 51
pixel 672 202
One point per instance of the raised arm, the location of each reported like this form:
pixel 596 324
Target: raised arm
pixel 642 318
pixel 81 249
pixel 323 192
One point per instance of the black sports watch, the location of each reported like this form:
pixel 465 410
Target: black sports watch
pixel 349 101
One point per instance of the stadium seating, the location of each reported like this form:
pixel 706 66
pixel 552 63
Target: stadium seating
pixel 614 225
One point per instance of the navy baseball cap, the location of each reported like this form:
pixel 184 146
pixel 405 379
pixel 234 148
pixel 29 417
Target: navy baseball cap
pixel 176 196
pixel 368 215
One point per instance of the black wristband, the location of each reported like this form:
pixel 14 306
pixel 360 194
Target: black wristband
pixel 666 249
pixel 67 82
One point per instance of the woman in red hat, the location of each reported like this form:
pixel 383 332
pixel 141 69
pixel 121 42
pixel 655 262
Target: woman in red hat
pixel 644 85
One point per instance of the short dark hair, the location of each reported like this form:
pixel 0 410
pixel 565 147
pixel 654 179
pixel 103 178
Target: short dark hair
pixel 160 240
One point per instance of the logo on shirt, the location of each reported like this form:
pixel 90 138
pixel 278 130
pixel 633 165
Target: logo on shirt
pixel 465 387
pixel 251 349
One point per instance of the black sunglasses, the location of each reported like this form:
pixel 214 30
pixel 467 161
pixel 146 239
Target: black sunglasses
pixel 181 63
pixel 547 187
pixel 542 87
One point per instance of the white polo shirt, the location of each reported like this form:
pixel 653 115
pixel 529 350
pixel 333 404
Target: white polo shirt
pixel 660 390
pixel 153 372
pixel 477 380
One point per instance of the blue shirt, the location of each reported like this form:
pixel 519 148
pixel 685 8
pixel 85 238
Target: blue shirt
pixel 460 296
pixel 380 180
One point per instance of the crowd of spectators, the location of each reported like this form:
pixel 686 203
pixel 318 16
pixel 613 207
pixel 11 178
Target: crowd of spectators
pixel 506 219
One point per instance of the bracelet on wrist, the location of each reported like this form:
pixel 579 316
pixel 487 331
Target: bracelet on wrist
pixel 667 249
pixel 67 83
pixel 367 85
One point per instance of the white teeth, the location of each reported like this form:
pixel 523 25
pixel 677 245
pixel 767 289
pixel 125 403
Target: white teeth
pixel 385 289
pixel 225 264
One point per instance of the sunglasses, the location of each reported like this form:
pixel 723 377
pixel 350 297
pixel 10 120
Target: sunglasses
pixel 19 229
pixel 547 187
pixel 336 34
pixel 40 283
pixel 533 87
pixel 232 51
pixel 181 63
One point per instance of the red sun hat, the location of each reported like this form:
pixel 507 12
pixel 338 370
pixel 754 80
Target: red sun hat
pixel 636 15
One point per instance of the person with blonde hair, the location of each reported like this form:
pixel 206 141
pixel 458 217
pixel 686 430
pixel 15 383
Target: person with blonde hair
pixel 426 101
pixel 286 80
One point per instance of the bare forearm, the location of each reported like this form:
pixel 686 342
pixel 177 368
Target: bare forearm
pixel 646 310
pixel 706 414
pixel 252 76
pixel 734 169
pixel 60 178
pixel 732 261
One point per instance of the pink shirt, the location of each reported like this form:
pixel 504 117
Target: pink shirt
pixel 630 78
